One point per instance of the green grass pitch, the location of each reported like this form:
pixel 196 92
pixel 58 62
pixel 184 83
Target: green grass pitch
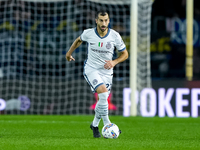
pixel 72 132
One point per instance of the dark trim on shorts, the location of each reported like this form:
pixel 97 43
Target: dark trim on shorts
pixel 88 80
pixel 97 86
pixel 86 76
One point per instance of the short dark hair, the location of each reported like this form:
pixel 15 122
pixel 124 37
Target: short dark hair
pixel 101 12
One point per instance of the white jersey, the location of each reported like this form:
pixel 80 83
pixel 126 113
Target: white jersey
pixel 101 48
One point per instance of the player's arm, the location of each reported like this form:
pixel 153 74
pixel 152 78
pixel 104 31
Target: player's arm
pixel 111 63
pixel 75 45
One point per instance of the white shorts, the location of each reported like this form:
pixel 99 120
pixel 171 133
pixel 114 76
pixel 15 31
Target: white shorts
pixel 95 78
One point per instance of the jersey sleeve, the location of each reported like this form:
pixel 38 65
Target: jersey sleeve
pixel 119 43
pixel 84 36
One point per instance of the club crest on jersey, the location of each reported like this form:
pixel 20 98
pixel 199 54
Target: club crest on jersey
pixel 108 45
pixel 95 81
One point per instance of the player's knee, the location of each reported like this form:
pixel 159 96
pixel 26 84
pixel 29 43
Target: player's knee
pixel 101 89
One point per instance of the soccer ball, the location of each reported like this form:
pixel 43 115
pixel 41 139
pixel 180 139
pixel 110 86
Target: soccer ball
pixel 110 131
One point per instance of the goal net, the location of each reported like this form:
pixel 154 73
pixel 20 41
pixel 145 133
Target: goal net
pixel 35 77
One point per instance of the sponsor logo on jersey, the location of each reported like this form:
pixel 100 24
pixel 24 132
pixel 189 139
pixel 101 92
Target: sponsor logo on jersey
pixel 99 51
pixel 108 45
pixel 92 43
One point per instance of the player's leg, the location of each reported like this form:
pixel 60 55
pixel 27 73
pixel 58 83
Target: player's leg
pixel 105 88
pixel 102 104
pixel 94 80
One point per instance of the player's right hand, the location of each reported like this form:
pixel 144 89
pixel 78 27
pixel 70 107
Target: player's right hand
pixel 69 57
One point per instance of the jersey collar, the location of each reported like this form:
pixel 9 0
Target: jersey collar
pixel 95 29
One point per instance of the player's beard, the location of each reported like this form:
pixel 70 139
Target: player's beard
pixel 103 28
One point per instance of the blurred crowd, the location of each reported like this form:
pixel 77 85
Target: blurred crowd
pixel 168 30
pixel 169 39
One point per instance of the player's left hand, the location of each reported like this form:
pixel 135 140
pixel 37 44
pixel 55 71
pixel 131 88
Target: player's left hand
pixel 109 64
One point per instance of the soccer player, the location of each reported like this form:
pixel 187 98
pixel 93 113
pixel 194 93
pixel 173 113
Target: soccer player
pixel 98 67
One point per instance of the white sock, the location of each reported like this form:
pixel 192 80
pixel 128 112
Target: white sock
pixel 106 120
pixel 103 107
pixel 97 117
